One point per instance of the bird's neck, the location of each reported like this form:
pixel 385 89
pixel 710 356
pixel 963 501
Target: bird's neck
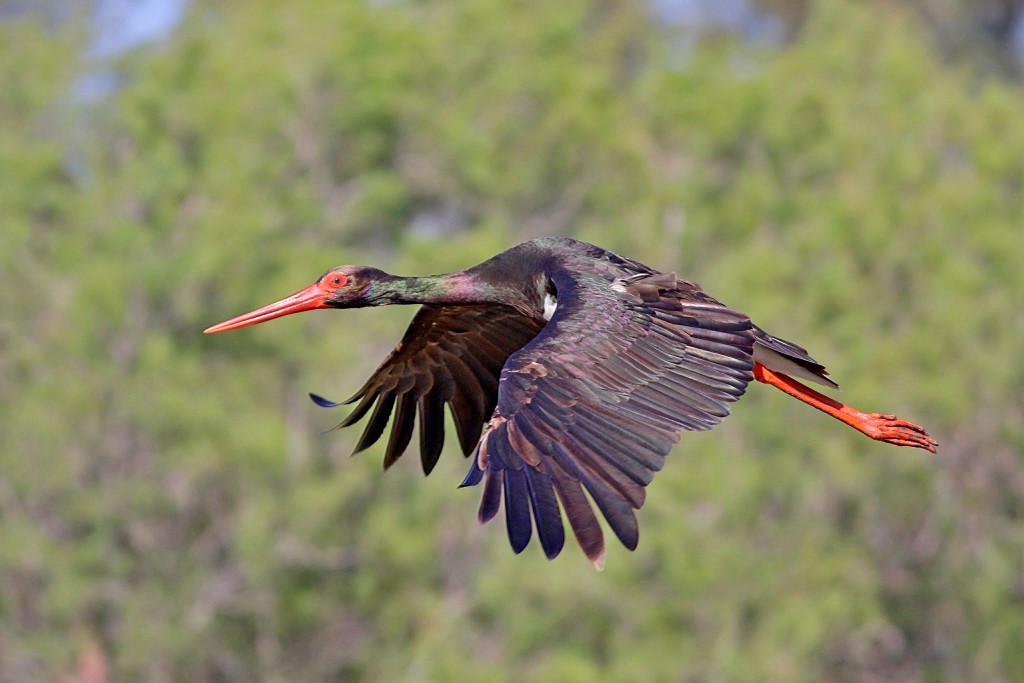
pixel 447 289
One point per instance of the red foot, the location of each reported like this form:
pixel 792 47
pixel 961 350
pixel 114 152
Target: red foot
pixel 887 428
pixel 891 429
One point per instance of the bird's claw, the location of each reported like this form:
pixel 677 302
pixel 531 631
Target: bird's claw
pixel 891 429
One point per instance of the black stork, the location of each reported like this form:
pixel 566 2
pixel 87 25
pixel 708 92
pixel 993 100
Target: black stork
pixel 566 368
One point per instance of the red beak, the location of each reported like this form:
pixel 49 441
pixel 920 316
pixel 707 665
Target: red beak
pixel 308 299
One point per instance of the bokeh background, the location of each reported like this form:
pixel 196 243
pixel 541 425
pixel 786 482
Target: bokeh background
pixel 849 173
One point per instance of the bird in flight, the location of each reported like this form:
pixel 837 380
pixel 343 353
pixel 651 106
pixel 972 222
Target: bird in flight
pixel 566 369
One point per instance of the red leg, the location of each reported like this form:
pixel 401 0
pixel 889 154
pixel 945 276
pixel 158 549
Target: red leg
pixel 886 428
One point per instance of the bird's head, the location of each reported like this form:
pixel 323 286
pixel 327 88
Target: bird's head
pixel 341 287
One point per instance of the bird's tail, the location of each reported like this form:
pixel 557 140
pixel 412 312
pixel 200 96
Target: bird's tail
pixel 787 358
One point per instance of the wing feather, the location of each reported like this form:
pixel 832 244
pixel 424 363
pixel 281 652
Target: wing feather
pixel 490 499
pixel 378 420
pixel 431 414
pixel 546 512
pixel 401 428
pixel 517 509
pixel 581 516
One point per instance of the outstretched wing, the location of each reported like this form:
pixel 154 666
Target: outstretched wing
pixel 596 401
pixel 449 355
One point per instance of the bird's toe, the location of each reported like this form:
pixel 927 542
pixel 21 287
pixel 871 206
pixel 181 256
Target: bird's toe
pixel 891 429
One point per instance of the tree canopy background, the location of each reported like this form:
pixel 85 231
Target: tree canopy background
pixel 169 509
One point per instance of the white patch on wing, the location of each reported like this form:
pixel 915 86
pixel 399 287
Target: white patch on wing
pixel 550 304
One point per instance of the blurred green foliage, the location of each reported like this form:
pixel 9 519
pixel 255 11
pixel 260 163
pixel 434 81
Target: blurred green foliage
pixel 167 499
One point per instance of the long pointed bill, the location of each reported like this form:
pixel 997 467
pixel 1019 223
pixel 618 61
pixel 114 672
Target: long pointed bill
pixel 308 299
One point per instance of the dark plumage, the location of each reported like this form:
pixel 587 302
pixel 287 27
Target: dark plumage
pixel 591 400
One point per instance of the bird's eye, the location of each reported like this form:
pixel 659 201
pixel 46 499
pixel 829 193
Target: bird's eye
pixel 336 280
